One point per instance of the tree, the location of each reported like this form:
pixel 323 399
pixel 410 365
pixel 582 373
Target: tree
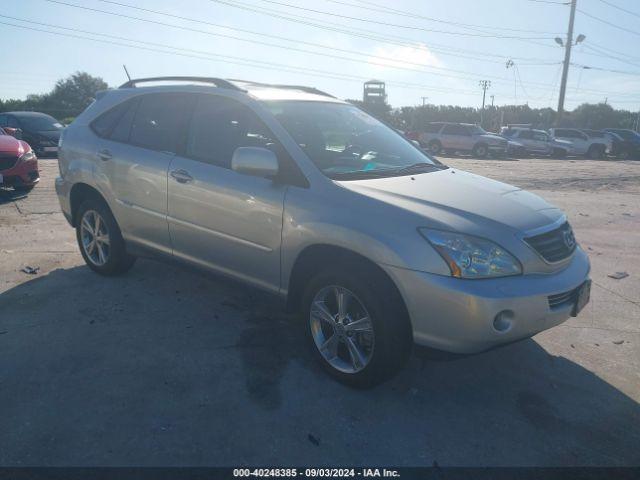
pixel 69 97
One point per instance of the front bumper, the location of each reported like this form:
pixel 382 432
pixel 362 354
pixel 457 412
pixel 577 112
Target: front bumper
pixel 457 315
pixel 23 174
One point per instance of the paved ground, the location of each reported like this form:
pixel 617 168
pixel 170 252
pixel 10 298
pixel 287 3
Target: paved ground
pixel 168 367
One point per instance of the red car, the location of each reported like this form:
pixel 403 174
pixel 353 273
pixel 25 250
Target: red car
pixel 18 163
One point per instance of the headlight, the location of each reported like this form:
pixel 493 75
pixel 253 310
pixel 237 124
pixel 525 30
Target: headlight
pixel 472 257
pixel 25 157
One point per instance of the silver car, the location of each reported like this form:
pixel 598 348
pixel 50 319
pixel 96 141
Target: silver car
pixel 291 190
pixel 462 137
pixel 536 142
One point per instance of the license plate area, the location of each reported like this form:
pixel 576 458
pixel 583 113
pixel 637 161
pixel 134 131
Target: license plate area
pixel 582 298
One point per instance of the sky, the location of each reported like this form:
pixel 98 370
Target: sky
pixel 438 49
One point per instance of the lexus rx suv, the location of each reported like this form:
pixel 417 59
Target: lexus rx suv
pixel 462 137
pixel 376 244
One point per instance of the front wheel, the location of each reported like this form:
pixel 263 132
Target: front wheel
pixel 358 328
pixel 481 150
pixel 100 240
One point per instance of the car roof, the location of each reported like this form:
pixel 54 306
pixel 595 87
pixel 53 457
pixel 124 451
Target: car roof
pixel 26 114
pixel 257 90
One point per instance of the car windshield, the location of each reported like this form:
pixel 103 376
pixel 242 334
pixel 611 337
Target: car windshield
pixel 346 143
pixel 40 123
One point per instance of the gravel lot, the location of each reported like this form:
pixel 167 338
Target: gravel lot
pixel 168 367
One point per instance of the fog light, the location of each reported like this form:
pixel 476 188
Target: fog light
pixel 502 321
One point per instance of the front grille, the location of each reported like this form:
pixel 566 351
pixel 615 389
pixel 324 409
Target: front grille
pixel 555 245
pixel 7 160
pixel 560 300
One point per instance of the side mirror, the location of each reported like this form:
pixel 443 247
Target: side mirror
pixel 255 161
pixel 14 132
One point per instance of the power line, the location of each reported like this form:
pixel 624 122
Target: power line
pixel 262 43
pixel 396 25
pixel 614 25
pixel 620 8
pixel 403 13
pixel 534 61
pixel 602 69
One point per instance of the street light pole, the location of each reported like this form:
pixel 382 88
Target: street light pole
pixel 567 59
pixel 484 85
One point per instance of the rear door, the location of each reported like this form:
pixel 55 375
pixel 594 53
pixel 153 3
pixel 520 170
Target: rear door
pixel 456 137
pixel 220 219
pixel 134 159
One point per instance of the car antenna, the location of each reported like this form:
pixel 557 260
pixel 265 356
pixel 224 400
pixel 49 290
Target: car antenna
pixel 126 71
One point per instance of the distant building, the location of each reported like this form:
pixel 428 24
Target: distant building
pixel 374 93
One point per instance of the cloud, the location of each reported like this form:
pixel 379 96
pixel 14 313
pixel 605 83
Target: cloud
pixel 404 57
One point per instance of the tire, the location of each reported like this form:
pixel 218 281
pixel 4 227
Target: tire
pixel 24 188
pixel 434 147
pixel 595 152
pixel 384 344
pixel 108 256
pixel 481 150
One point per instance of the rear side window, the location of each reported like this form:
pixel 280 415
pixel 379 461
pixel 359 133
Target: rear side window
pixel 526 134
pixel 455 129
pixel 105 123
pixel 160 121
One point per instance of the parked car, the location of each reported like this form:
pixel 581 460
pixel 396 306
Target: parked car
pixel 582 144
pixel 536 142
pixel 625 143
pixel 289 189
pixel 18 164
pixel 461 137
pixel 39 130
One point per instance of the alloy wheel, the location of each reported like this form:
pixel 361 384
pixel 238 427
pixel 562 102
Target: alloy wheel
pixel 342 329
pixel 95 238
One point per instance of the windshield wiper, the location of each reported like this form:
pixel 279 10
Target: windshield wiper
pixel 419 167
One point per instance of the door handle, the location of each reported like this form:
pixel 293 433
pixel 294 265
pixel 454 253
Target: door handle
pixel 104 155
pixel 181 176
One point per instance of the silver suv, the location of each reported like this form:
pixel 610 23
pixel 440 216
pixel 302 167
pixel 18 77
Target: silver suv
pixel 290 190
pixel 582 143
pixel 537 142
pixel 461 137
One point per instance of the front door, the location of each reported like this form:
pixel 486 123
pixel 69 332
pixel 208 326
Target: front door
pixel 218 218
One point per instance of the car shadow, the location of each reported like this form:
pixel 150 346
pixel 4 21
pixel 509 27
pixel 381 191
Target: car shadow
pixel 163 366
pixel 8 195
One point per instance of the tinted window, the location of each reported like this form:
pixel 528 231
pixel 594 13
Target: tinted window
pixel 563 133
pixel 3 120
pixel 541 137
pixel 122 128
pixel 13 122
pixel 526 134
pixel 507 132
pixel 105 123
pixel 219 126
pixel 159 121
pixel 38 123
pixel 455 130
pixel 433 128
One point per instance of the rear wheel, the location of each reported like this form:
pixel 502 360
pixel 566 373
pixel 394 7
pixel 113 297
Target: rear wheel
pixel 596 152
pixel 100 240
pixel 434 147
pixel 358 328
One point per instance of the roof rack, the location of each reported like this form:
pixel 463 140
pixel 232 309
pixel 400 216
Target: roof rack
pixel 286 87
pixel 218 82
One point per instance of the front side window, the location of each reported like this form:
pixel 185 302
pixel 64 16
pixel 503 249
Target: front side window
pixel 160 121
pixel 345 142
pixel 540 137
pixel 220 125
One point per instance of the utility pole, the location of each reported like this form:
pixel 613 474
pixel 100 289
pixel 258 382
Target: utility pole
pixel 567 59
pixel 492 98
pixel 484 85
pixel 424 100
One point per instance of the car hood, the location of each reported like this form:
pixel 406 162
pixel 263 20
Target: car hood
pixel 458 200
pixel 12 145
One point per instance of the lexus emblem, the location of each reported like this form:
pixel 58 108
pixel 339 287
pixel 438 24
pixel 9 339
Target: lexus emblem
pixel 569 239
